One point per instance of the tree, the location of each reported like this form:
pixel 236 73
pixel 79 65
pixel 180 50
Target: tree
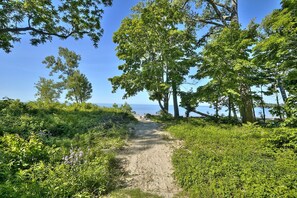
pixel 225 60
pixel 65 65
pixel 79 88
pixel 213 16
pixel 47 90
pixel 276 52
pixel 44 20
pixel 157 53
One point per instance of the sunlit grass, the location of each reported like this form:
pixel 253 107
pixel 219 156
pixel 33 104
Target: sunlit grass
pixel 232 161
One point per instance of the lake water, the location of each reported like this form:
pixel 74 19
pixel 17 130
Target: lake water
pixel 142 109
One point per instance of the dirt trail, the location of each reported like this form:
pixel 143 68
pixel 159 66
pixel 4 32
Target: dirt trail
pixel 147 160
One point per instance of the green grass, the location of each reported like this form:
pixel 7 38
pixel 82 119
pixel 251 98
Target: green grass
pixel 132 193
pixel 59 150
pixel 233 161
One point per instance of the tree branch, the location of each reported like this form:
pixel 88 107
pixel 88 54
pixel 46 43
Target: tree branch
pixel 205 36
pixel 210 22
pixel 217 11
pixel 23 29
pixel 185 3
pixel 223 6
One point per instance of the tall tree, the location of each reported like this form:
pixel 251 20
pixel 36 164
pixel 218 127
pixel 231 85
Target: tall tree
pixel 225 60
pixel 47 90
pixel 215 15
pixel 157 50
pixel 65 65
pixel 277 51
pixel 79 88
pixel 46 19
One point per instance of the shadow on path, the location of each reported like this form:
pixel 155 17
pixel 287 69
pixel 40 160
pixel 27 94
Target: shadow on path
pixel 147 160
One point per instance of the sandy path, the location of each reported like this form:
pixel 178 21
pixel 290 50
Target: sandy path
pixel 147 160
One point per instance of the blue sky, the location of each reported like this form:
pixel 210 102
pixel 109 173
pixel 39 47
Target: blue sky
pixel 21 68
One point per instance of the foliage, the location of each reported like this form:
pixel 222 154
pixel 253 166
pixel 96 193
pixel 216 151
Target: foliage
pixel 126 108
pixel 59 150
pixel 157 53
pixel 226 62
pixel 210 15
pixel 47 90
pixel 283 138
pixel 189 101
pixel 275 53
pixel 291 108
pixel 44 20
pixel 132 193
pixel 78 87
pixel 232 161
pixel 225 54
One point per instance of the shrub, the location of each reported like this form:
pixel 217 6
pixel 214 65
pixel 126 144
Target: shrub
pixel 20 153
pixel 59 150
pixel 283 138
pixel 233 161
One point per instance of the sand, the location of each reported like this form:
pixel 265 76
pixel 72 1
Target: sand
pixel 147 160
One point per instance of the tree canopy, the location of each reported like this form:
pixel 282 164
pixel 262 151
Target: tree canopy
pixel 158 44
pixel 157 50
pixel 46 19
pixel 276 53
pixel 47 90
pixel 226 62
pixel 78 87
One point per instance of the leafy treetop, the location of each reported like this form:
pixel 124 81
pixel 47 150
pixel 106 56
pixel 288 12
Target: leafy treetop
pixel 46 19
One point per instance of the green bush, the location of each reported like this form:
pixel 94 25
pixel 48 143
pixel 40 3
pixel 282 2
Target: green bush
pixel 283 138
pixel 59 150
pixel 20 153
pixel 233 161
pixel 291 110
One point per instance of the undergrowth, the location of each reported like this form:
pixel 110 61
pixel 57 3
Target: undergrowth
pixel 59 150
pixel 235 161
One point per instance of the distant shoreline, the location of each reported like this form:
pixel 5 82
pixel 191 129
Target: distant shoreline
pixel 153 109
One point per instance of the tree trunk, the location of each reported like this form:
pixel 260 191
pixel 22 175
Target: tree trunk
pixel 278 106
pixel 246 106
pixel 283 94
pixel 216 108
pixel 175 103
pixel 253 106
pixel 165 106
pixel 282 90
pixel 166 103
pixel 246 110
pixel 187 113
pixel 262 105
pixel 166 96
pixel 161 106
pixel 229 107
pixel 203 114
pixel 234 112
pixel 234 14
pixel 254 113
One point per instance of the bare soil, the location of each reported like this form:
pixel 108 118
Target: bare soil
pixel 147 160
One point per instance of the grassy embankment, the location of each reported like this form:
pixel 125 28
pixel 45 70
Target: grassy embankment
pixel 235 161
pixel 59 150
